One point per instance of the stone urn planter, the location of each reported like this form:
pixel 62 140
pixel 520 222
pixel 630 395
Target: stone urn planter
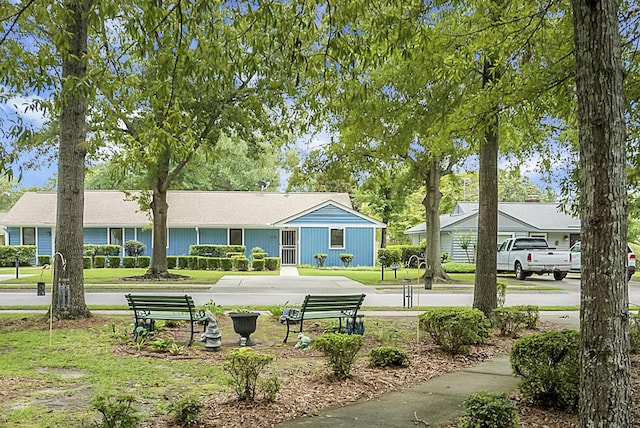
pixel 244 323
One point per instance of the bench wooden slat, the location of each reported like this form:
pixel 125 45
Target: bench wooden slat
pixel 162 307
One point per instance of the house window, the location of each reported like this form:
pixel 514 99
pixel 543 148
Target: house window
pixel 336 237
pixel 28 236
pixel 115 236
pixel 235 236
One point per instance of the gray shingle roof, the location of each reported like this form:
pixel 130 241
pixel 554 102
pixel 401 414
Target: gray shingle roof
pixel 186 208
pixel 538 215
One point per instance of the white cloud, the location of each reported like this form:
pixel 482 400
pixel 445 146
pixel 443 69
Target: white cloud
pixel 26 108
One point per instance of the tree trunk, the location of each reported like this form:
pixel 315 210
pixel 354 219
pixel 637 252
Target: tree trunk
pixel 160 210
pixel 431 204
pixel 605 384
pixel 485 291
pixel 70 303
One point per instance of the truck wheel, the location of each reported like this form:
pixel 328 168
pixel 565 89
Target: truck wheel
pixel 520 274
pixel 559 276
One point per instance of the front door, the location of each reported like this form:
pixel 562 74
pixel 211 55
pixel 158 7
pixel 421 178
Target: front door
pixel 288 246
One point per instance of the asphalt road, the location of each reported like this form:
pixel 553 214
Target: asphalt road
pixel 276 290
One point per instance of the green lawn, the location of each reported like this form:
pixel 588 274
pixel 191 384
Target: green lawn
pixel 115 276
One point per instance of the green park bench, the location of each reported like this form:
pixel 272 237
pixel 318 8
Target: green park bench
pixel 324 307
pixel 149 308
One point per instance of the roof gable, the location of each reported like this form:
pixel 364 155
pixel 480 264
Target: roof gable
pixel 330 213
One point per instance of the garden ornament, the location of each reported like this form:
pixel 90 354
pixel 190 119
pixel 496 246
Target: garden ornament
pixel 303 341
pixel 211 337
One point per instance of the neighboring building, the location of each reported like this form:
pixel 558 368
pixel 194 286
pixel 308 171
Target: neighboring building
pixel 293 226
pixel 514 219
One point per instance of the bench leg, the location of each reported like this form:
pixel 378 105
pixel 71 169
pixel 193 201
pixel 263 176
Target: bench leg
pixel 287 335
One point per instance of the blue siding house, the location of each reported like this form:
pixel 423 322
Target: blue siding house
pixel 292 226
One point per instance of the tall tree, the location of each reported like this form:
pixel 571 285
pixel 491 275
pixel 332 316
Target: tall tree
pixel 605 392
pixel 185 74
pixel 71 157
pixel 45 51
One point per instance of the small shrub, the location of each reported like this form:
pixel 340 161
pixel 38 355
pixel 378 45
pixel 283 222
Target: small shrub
pixel 241 263
pixel 186 410
pixel 232 254
pixel 145 262
pixel 128 262
pixel 270 387
pixel 455 329
pixel 192 262
pixel 118 412
pixel 533 315
pixel 502 293
pixel 509 320
pixel 244 366
pixel 99 261
pixel 226 264
pixel 258 264
pixel 203 262
pixel 549 366
pixel 340 350
pixel 485 409
pixel 114 261
pixel 320 258
pixel 183 262
pixel 259 256
pixel 257 250
pixel 86 262
pixel 162 345
pixel 211 306
pixel 172 262
pixel 390 256
pixel 44 260
pixel 384 356
pixel 211 263
pixel 176 349
pixel 272 263
pixel 346 258
pixel 134 248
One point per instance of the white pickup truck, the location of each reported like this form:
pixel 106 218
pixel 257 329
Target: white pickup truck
pixel 526 256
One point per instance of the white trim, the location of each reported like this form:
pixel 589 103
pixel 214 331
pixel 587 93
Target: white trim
pixel 197 235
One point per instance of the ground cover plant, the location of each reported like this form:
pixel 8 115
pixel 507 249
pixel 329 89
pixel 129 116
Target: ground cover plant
pixel 54 385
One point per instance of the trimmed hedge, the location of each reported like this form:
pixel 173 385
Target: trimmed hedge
pixel 259 256
pixel 215 250
pixel 258 264
pixel 99 261
pixel 144 261
pixel 26 255
pixel 272 263
pixel 183 262
pixel 407 251
pixel 391 255
pixel 455 329
pixel 172 262
pixel 114 261
pixel 549 364
pixel 202 262
pixel 241 263
pixel 128 262
pixel 192 262
pixel 211 263
pixel 102 250
pixel 44 260
pixel 86 262
pixel 226 264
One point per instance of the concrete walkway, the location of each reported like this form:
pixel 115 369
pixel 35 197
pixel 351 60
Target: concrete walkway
pixel 435 401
